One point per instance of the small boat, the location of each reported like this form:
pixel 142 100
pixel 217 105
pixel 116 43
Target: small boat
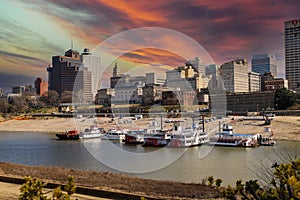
pixel 134 137
pixel 92 132
pixel 228 138
pixel 115 135
pixel 266 138
pixel 68 135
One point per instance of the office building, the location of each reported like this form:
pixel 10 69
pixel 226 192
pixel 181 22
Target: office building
pixel 150 78
pixel 254 82
pixel 104 96
pixel 41 86
pixel 235 76
pixel 67 74
pixel 18 89
pixel 213 72
pixel 93 64
pixel 264 63
pixel 185 78
pixel 270 83
pixel 292 53
pixel 198 65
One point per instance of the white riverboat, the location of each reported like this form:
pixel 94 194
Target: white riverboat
pixel 228 138
pixel 188 137
pixel 91 133
pixel 115 135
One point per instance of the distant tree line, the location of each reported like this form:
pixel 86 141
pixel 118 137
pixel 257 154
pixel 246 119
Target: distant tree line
pixel 20 104
pixel 284 98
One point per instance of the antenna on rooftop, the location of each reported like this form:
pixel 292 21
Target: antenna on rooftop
pixel 71 43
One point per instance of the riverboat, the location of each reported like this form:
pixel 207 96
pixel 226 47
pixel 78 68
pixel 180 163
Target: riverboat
pixel 188 137
pixel 134 137
pixel 115 135
pixel 91 133
pixel 68 135
pixel 265 139
pixel 228 138
pixel 159 139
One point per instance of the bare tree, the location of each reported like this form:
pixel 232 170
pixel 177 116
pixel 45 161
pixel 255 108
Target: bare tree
pixel 53 98
pixel 66 97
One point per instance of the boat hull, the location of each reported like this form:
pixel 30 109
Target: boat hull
pixel 67 137
pixel 134 139
pixel 90 136
pixel 155 142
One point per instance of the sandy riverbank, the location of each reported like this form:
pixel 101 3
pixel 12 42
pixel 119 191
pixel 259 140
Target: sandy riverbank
pixel 284 127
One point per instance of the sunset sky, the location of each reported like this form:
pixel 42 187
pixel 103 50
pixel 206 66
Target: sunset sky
pixel 32 31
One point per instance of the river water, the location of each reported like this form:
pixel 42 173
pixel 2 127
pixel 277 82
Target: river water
pixel 187 165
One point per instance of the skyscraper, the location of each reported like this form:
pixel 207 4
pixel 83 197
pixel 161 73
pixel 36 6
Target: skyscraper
pixel 67 74
pixel 292 53
pixel 262 63
pixel 93 64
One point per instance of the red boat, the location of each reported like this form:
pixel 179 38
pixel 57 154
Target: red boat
pixel 157 140
pixel 68 135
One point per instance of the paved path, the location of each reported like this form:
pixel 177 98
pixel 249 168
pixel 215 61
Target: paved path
pixel 9 191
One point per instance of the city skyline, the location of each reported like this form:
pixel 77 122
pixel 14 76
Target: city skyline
pixel 34 31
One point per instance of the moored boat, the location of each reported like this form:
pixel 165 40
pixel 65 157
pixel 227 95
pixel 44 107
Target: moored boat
pixel 115 135
pixel 159 139
pixel 134 137
pixel 68 135
pixel 188 137
pixel 228 138
pixel 92 132
pixel 265 139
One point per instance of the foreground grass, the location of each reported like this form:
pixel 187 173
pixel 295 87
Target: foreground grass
pixel 111 181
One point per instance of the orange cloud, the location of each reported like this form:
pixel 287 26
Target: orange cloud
pixel 138 11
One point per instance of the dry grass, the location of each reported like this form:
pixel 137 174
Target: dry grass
pixel 110 181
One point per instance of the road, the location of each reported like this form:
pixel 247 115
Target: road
pixel 9 191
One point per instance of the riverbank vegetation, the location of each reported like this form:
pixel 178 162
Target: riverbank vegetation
pixel 284 184
pixel 113 182
pixel 33 189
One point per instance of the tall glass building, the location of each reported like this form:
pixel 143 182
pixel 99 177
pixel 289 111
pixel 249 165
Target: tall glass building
pixel 292 53
pixel 264 63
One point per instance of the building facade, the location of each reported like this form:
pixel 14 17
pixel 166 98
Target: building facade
pixel 104 96
pixel 93 64
pixel 254 82
pixel 270 83
pixel 185 78
pixel 213 72
pixel 251 101
pixel 264 63
pixel 292 53
pixel 152 94
pixel 198 65
pixel 235 76
pixel 41 86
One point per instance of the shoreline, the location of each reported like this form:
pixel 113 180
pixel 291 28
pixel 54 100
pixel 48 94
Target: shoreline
pixel 285 128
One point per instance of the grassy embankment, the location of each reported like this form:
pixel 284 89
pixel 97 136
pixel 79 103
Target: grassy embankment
pixel 113 182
